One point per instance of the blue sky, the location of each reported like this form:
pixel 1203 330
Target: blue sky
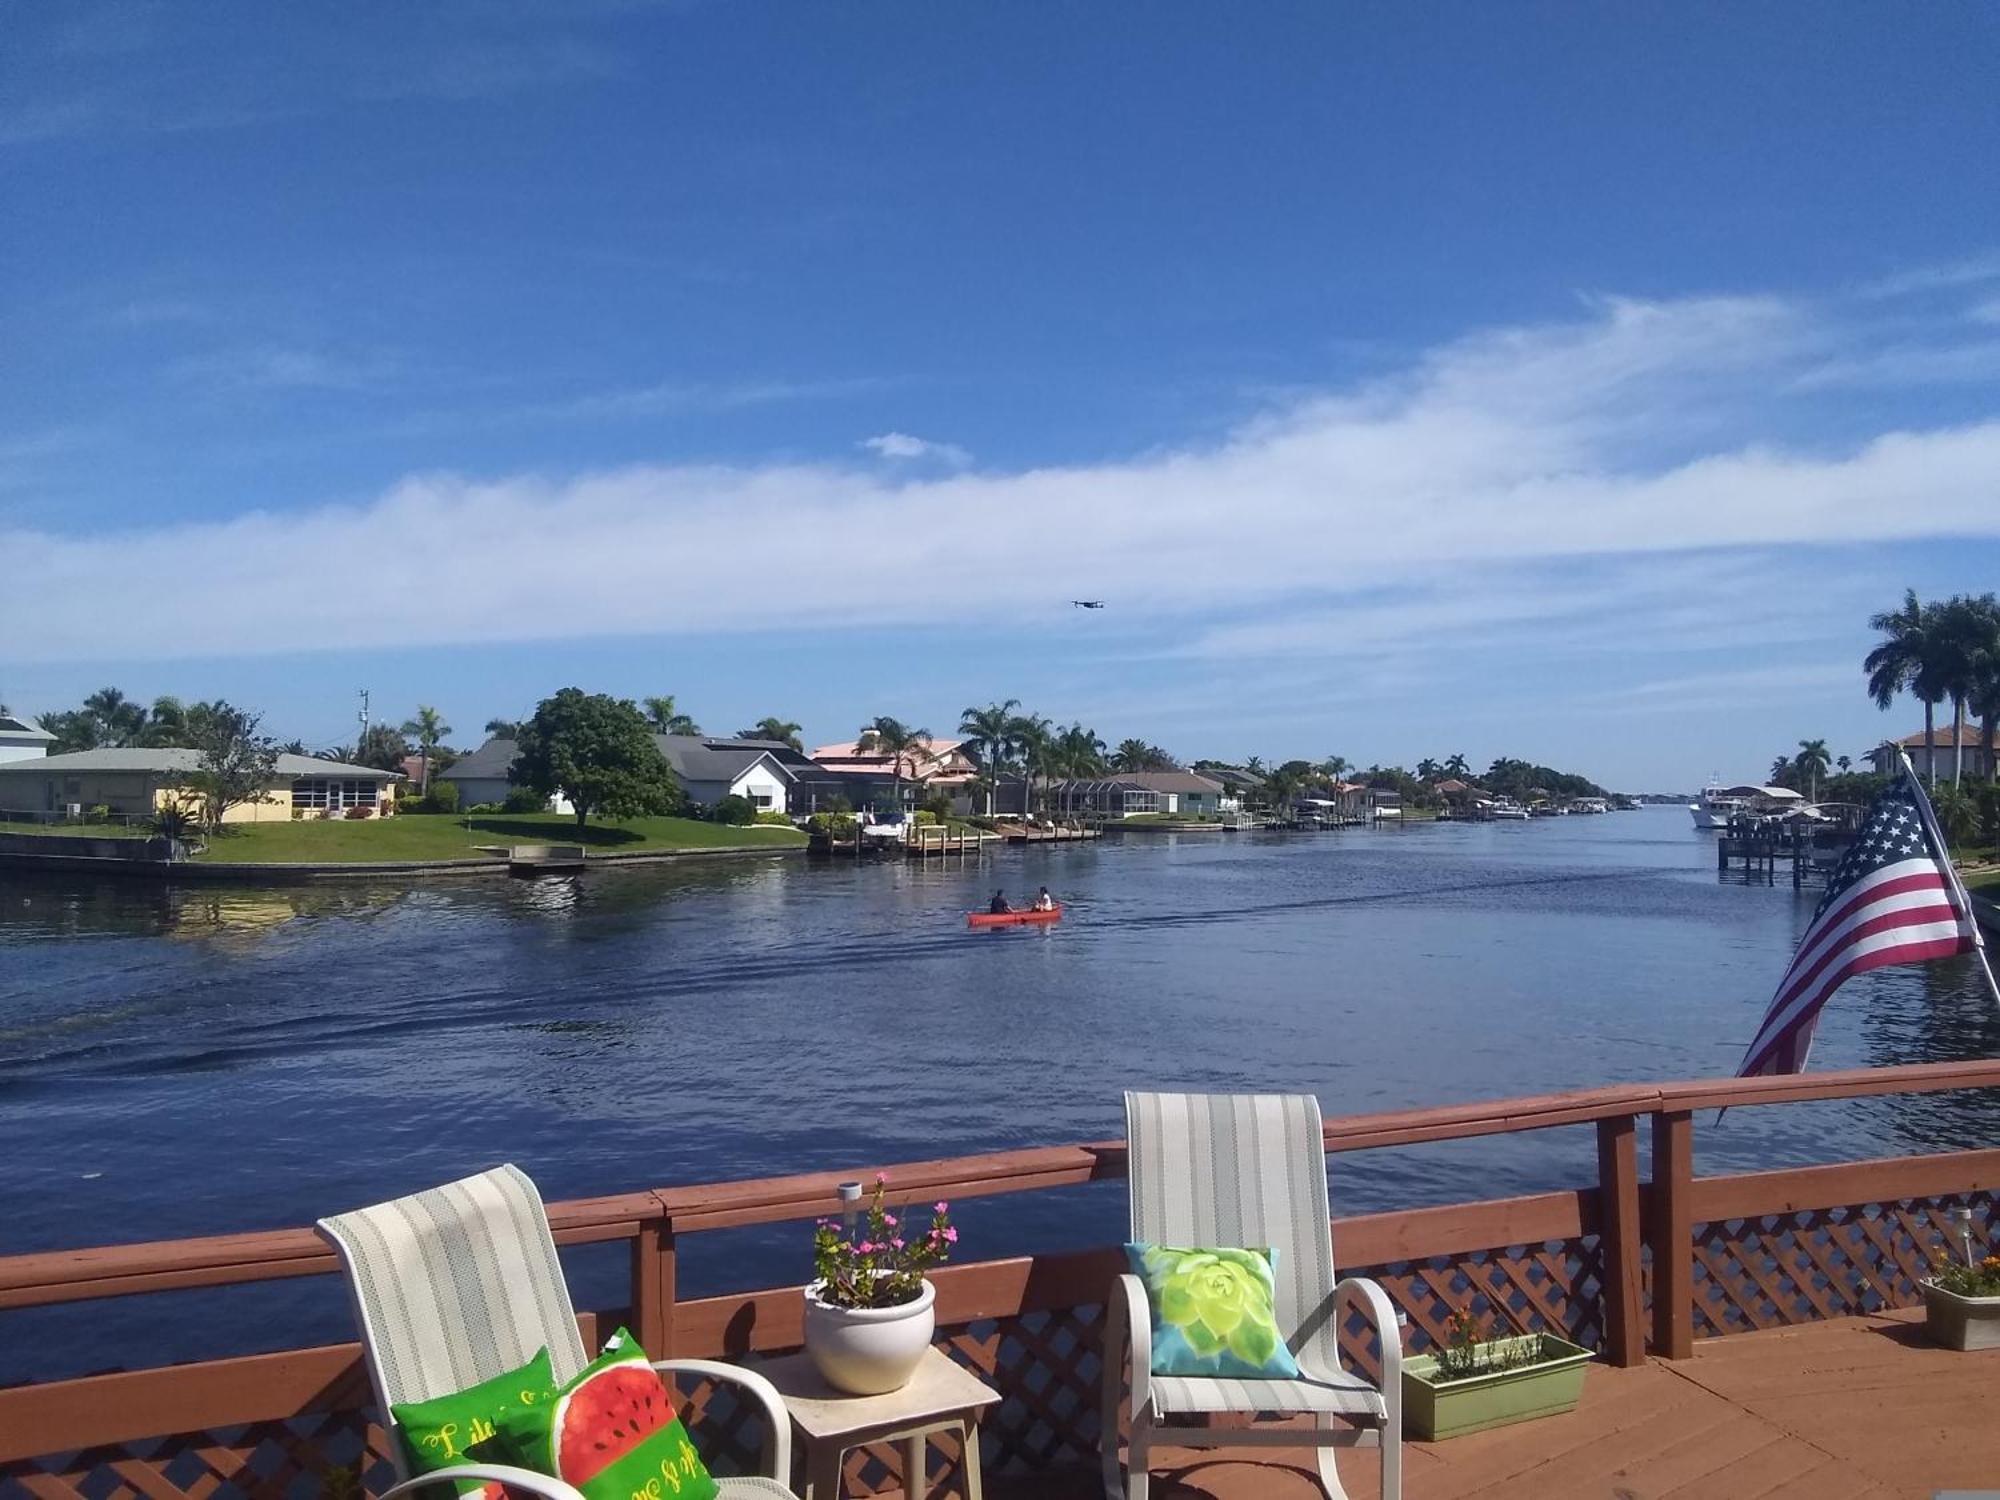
pixel 1567 382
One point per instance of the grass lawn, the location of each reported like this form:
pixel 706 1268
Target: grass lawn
pixel 430 836
pixel 1986 880
pixel 78 830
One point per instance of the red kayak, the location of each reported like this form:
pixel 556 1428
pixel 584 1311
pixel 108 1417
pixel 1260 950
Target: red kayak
pixel 1011 918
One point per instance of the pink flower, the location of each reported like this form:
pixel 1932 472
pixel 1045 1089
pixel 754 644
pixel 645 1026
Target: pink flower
pixel 881 1178
pixel 951 1236
pixel 897 1243
pixel 943 1208
pixel 866 1247
pixel 890 1220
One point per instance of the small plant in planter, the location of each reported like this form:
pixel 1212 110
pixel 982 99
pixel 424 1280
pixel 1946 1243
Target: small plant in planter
pixel 870 1310
pixel 1962 1297
pixel 1474 1382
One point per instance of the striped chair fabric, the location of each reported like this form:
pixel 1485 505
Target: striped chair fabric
pixel 455 1285
pixel 1247 1170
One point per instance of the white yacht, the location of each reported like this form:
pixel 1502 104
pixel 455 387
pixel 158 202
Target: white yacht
pixel 1718 804
pixel 1507 809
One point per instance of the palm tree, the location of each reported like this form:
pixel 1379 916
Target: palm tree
pixel 1459 766
pixel 884 735
pixel 1254 766
pixel 1783 771
pixel 120 721
pixel 784 731
pixel 1033 735
pixel 428 729
pixel 166 723
pixel 661 715
pixel 1427 769
pixel 1079 754
pixel 990 733
pixel 1334 767
pixel 1843 762
pixel 1810 764
pixel 1907 659
pixel 1132 755
pixel 1980 620
pixel 503 729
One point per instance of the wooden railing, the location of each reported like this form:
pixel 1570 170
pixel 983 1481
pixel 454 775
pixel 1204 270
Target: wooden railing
pixel 1623 1264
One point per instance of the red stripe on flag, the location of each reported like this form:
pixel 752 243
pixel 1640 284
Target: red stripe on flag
pixel 1913 916
pixel 1881 958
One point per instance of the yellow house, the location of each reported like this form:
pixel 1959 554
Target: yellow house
pixel 136 782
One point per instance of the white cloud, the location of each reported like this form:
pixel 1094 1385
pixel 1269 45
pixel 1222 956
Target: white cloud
pixel 1633 433
pixel 902 445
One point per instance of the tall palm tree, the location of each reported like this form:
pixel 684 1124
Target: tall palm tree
pixel 784 731
pixel 1254 766
pixel 990 733
pixel 1079 754
pixel 120 721
pixel 166 723
pixel 1907 659
pixel 1843 762
pixel 1783 771
pixel 888 736
pixel 1457 765
pixel 1132 755
pixel 1977 627
pixel 428 729
pixel 1034 736
pixel 1811 763
pixel 1427 769
pixel 1334 767
pixel 661 715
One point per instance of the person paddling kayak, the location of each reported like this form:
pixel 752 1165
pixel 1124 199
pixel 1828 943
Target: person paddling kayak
pixel 998 906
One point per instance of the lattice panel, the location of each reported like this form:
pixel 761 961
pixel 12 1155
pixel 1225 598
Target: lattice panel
pixel 1780 1269
pixel 1553 1287
pixel 324 1456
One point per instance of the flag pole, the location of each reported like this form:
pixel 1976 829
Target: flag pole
pixel 1961 897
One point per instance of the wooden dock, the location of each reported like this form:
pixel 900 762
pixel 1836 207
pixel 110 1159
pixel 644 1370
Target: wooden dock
pixel 1809 852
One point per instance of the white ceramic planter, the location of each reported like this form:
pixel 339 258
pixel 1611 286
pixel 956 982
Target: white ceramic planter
pixel 868 1351
pixel 1961 1322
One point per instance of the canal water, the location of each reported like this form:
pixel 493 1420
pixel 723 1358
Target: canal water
pixel 196 1061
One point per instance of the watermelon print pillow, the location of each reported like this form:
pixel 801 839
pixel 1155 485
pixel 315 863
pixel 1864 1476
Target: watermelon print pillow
pixel 463 1428
pixel 612 1432
pixel 1214 1312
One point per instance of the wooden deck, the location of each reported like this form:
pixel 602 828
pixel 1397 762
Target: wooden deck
pixel 1862 1407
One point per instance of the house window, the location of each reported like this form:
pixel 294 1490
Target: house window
pixel 761 801
pixel 317 792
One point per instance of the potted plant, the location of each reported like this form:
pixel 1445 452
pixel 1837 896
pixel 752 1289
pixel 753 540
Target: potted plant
pixel 870 1312
pixel 1962 1299
pixel 1475 1383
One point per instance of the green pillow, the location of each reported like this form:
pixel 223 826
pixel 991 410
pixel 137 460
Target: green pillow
pixel 611 1432
pixel 1213 1312
pixel 462 1428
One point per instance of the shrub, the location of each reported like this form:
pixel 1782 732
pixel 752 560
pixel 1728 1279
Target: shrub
pixel 838 825
pixel 923 817
pixel 360 810
pixel 101 813
pixel 441 798
pixel 733 809
pixel 774 818
pixel 524 799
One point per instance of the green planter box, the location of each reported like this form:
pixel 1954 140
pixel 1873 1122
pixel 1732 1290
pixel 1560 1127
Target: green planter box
pixel 1552 1384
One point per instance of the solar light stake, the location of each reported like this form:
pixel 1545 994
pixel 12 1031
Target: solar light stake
pixel 850 1198
pixel 1964 1218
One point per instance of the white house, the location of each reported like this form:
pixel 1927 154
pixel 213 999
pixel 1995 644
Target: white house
pixel 22 739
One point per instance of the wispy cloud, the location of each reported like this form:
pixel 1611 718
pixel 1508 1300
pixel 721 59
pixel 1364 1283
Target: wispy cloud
pixel 900 445
pixel 684 396
pixel 1971 270
pixel 1908 366
pixel 271 368
pixel 1559 447
pixel 492 69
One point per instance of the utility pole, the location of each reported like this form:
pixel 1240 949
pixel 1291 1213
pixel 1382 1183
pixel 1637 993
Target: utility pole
pixel 363 717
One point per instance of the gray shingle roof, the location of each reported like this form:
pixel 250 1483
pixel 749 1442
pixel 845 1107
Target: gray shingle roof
pixel 173 761
pixel 16 727
pixel 693 758
pixel 488 763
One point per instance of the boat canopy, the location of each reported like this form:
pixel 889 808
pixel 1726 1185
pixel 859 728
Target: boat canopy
pixel 1773 793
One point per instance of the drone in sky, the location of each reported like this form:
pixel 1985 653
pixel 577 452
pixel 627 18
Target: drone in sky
pixel 1088 603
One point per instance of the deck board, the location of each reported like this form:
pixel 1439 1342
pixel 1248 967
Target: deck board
pixel 1858 1409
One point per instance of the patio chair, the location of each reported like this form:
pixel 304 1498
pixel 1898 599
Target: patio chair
pixel 460 1283
pixel 1246 1171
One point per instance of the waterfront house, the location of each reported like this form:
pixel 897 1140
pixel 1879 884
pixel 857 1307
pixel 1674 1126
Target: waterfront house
pixel 766 773
pixel 22 739
pixel 868 776
pixel 1142 793
pixel 136 782
pixel 1980 754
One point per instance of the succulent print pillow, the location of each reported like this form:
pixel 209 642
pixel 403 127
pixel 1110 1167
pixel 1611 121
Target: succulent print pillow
pixel 1213 1312
pixel 612 1432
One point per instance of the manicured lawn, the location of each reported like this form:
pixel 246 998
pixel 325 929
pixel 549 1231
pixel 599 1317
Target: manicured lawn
pixel 1988 880
pixel 422 836
pixel 79 830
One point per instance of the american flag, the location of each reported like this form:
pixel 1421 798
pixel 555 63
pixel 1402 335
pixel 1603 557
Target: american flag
pixel 1892 899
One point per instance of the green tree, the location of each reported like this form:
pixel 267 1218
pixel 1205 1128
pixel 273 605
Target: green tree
pixel 1036 738
pixel 234 763
pixel 428 729
pixel 1079 754
pixel 784 731
pixel 598 752
pixel 660 713
pixel 503 729
pixel 990 733
pixel 1784 771
pixel 1811 764
pixel 380 746
pixel 1334 767
pixel 1981 624
pixel 1458 766
pixel 884 735
pixel 1428 769
pixel 1910 658
pixel 1957 814
pixel 166 723
pixel 1843 762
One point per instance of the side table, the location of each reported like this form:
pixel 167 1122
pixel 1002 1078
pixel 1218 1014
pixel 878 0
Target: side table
pixel 941 1397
